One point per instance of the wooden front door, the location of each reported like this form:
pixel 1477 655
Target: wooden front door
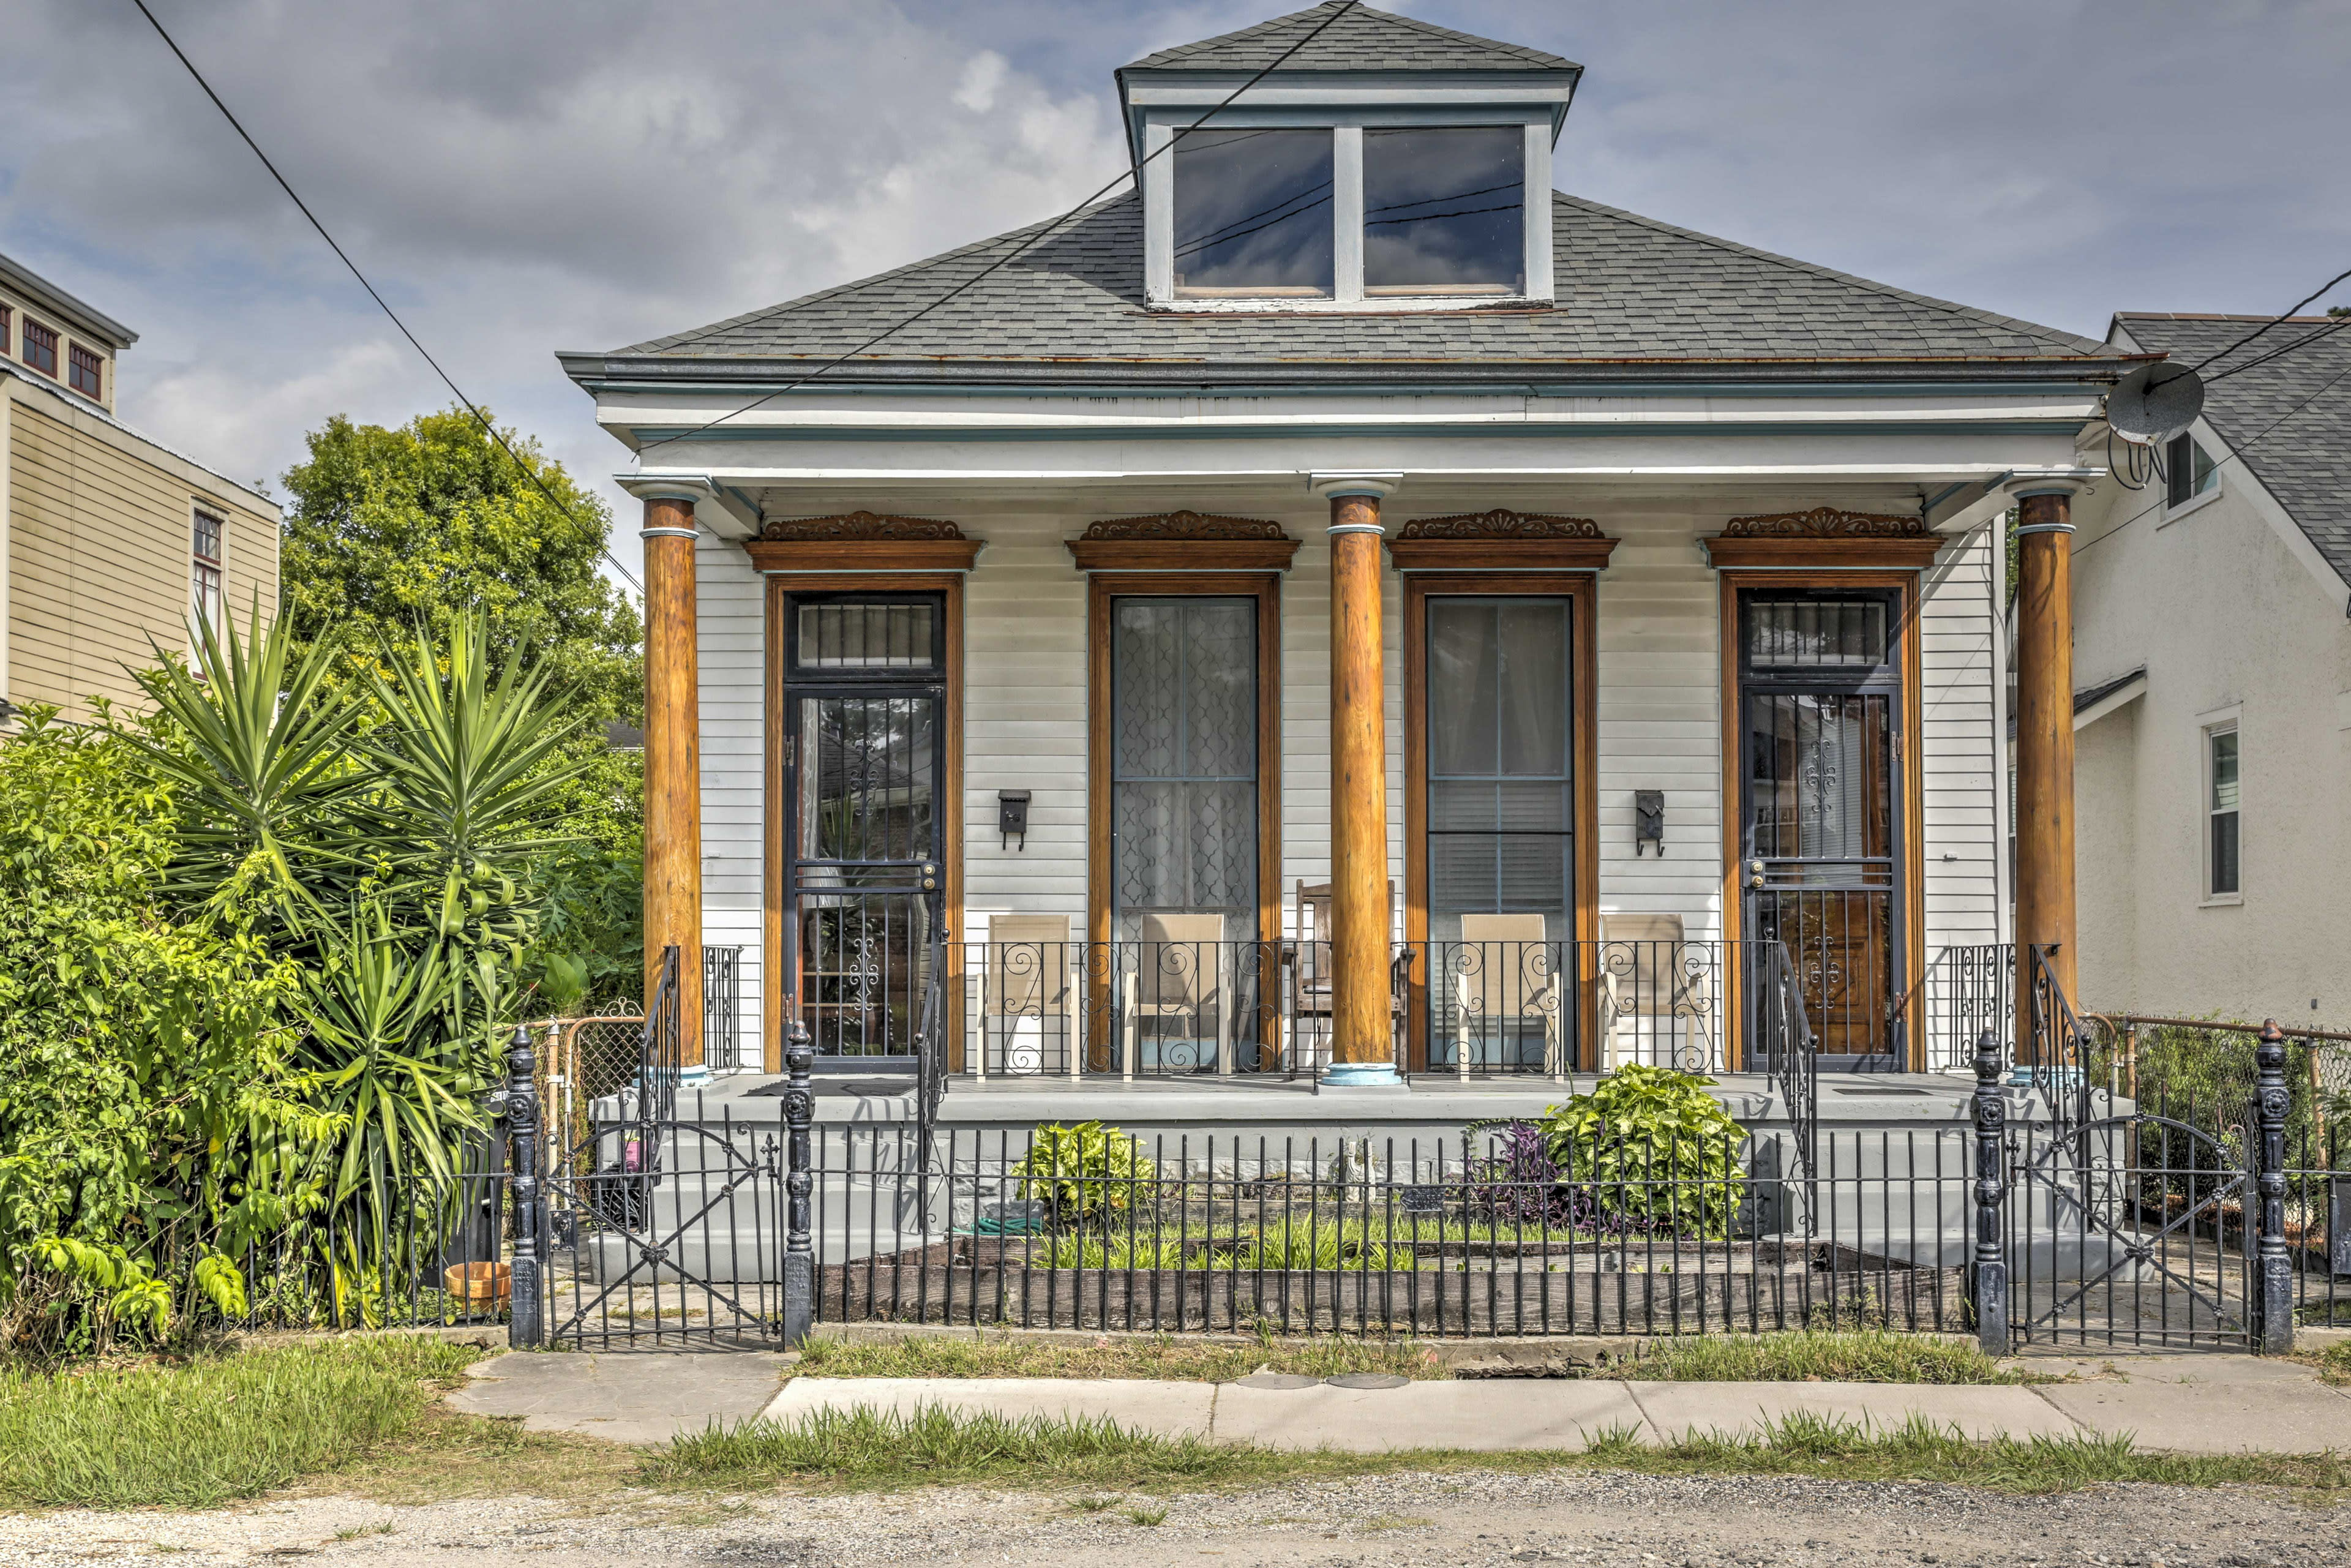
pixel 1821 731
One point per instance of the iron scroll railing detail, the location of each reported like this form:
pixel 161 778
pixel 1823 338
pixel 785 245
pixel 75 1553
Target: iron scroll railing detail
pixel 1786 1047
pixel 2056 1056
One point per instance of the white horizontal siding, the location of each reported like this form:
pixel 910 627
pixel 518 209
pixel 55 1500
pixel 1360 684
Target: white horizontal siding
pixel 1659 721
pixel 1958 731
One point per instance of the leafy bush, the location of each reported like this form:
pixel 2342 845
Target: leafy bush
pixel 1088 1170
pixel 1649 1147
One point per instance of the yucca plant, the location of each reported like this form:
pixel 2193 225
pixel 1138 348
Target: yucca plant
pixel 262 754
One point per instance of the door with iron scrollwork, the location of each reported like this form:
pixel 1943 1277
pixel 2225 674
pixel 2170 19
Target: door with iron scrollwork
pixel 864 698
pixel 1821 731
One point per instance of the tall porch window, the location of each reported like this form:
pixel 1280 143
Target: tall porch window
pixel 1501 825
pixel 1185 768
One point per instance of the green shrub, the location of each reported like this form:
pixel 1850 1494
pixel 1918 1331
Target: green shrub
pixel 1088 1170
pixel 1652 1149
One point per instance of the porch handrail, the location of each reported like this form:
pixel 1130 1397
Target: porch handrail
pixel 1790 1053
pixel 2058 1059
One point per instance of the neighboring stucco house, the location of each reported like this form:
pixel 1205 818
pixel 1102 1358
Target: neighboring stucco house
pixel 2212 651
pixel 1347 606
pixel 109 542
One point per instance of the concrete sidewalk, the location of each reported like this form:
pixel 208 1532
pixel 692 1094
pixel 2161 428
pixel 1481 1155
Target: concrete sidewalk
pixel 2193 1404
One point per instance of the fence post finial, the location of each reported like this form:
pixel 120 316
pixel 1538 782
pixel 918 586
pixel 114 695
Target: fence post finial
pixel 526 1320
pixel 1988 1280
pixel 2274 1271
pixel 799 1257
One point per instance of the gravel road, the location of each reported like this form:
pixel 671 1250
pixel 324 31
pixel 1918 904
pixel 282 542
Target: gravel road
pixel 1456 1518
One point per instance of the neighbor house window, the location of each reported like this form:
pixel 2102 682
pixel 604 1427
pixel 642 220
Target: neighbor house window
pixel 1445 211
pixel 2221 867
pixel 7 315
pixel 84 372
pixel 210 542
pixel 40 346
pixel 2189 471
pixel 1253 214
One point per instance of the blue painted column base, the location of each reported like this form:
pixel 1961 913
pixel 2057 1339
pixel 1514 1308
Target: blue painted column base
pixel 1361 1075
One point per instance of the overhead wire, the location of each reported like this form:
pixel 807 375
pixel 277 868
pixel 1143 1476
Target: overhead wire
pixel 1035 237
pixel 393 316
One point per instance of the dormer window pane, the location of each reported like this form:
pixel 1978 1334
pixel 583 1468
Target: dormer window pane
pixel 1253 214
pixel 1445 211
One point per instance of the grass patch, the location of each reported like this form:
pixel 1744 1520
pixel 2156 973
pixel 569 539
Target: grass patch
pixel 202 1431
pixel 866 1450
pixel 1832 1356
pixel 2333 1364
pixel 1147 1356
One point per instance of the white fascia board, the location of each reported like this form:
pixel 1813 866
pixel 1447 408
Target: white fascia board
pixel 914 416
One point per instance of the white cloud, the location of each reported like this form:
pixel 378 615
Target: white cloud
pixel 981 78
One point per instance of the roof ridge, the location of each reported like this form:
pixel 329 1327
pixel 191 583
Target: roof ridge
pixel 1909 296
pixel 1436 30
pixel 1175 55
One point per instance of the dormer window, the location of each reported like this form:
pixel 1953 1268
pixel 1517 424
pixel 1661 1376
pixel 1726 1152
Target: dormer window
pixel 1369 161
pixel 1445 211
pixel 1253 214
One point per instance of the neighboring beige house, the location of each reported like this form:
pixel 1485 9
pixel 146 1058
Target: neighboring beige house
pixel 2212 663
pixel 108 540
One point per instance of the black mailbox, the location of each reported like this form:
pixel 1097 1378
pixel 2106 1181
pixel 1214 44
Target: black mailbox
pixel 1648 821
pixel 1012 815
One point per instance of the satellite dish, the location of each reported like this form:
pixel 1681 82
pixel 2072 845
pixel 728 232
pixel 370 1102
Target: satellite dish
pixel 2155 402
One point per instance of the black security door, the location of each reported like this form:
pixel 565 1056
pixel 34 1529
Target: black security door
pixel 1823 730
pixel 863 695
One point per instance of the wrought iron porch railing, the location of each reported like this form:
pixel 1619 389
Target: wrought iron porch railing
pixel 1458 1009
pixel 1967 988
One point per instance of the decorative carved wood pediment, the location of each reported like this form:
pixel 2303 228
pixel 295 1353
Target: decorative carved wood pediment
pixel 1182 526
pixel 1500 540
pixel 861 526
pixel 862 541
pixel 1824 535
pixel 1501 525
pixel 1826 523
pixel 1181 541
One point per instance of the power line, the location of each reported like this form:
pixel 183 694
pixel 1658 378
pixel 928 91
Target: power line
pixel 1134 172
pixel 2318 293
pixel 471 407
pixel 2280 352
pixel 2236 451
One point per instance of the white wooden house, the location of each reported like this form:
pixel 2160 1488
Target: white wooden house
pixel 1347 608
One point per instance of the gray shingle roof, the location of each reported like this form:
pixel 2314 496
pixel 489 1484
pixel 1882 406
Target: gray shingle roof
pixel 2288 421
pixel 1361 40
pixel 1629 290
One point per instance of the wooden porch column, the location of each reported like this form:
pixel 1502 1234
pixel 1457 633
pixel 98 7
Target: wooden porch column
pixel 1362 1049
pixel 673 757
pixel 2044 737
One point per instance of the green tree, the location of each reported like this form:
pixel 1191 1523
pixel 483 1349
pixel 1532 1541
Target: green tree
pixel 391 530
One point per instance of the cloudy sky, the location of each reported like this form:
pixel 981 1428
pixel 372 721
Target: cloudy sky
pixel 521 176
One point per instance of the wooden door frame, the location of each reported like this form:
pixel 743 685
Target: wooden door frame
pixel 777 815
pixel 1912 859
pixel 1582 592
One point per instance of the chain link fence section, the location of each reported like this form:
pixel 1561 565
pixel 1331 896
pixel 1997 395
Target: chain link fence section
pixel 582 1060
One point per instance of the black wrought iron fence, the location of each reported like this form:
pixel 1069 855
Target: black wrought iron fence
pixel 1501 1233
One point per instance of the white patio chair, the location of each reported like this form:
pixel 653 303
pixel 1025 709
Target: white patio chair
pixel 1180 972
pixel 1025 1008
pixel 1504 980
pixel 1652 996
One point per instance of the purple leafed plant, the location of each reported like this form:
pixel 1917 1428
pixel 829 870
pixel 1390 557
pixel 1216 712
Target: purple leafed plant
pixel 1520 1184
